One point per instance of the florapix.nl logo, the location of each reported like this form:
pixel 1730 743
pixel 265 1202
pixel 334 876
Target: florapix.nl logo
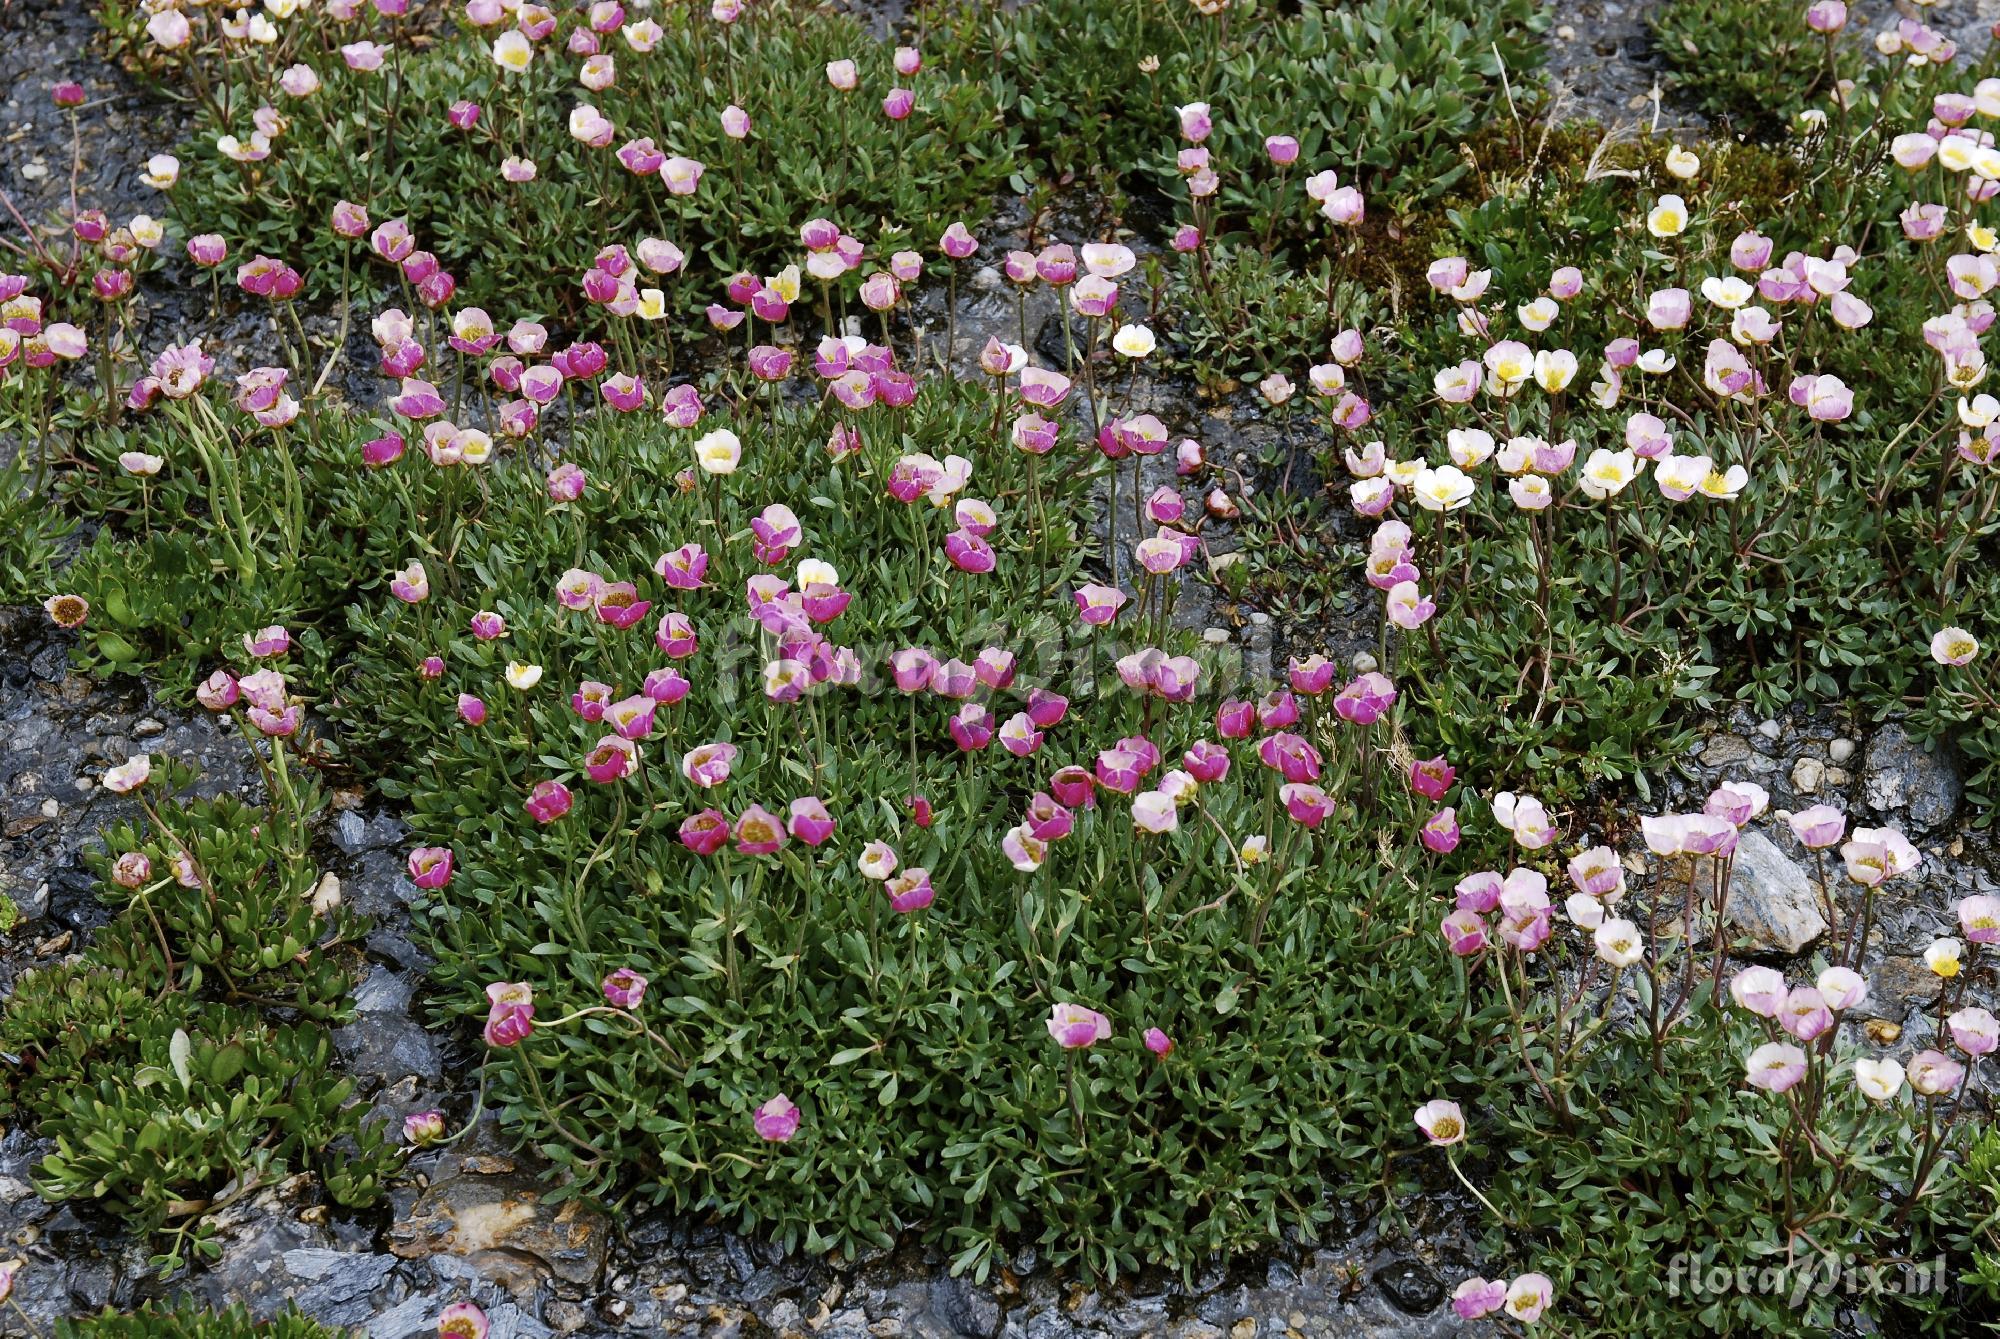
pixel 1805 1275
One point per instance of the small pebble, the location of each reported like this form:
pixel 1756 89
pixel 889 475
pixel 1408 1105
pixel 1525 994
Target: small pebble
pixel 1768 729
pixel 50 808
pixel 1836 776
pixel 1840 750
pixel 148 726
pixel 1807 774
pixel 83 785
pixel 1215 636
pixel 1364 662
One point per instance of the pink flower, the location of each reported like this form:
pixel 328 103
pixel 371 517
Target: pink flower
pixel 1307 804
pixel 1441 833
pixel 460 1320
pixel 758 831
pixel 1933 1073
pixel 707 765
pixel 510 1014
pixel 612 759
pixel 1075 1027
pixel 1098 605
pixel 810 822
pixel 776 1121
pixel 705 833
pixel 1366 699
pixel 624 988
pixel 548 801
pixel 1761 990
pixel 1818 827
pixel 1776 1067
pixel 1477 1297
pixel 1442 1122
pixel 1464 933
pixel 1805 1014
pixel 1432 777
pixel 910 890
pixel 1529 1296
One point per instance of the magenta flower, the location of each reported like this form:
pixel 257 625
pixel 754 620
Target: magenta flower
pixel 666 686
pixel 1307 804
pixel 758 831
pixel 612 759
pixel 591 699
pixel 684 568
pixel 810 822
pixel 430 866
pixel 1366 699
pixel 471 709
pixel 1073 787
pixel 1441 833
pixel 705 833
pixel 968 552
pixel 1158 1042
pixel 1075 1027
pixel 776 1121
pixel 548 801
pixel 510 1014
pixel 1432 777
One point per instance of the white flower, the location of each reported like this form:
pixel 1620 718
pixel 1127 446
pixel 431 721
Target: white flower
pixel 1668 218
pixel 1446 488
pixel 1878 1080
pixel 1607 472
pixel 1618 943
pixel 1134 341
pixel 720 452
pixel 162 171
pixel 1726 291
pixel 128 775
pixel 512 51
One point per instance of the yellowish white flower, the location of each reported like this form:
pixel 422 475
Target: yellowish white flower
pixel 1133 341
pixel 1538 315
pixel 1446 488
pixel 720 452
pixel 512 50
pixel 523 676
pixel 1668 218
pixel 1607 472
pixel 1942 957
pixel 1727 291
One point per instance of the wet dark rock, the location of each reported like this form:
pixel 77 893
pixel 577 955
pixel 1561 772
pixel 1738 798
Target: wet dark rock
pixel 1900 777
pixel 1411 1286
